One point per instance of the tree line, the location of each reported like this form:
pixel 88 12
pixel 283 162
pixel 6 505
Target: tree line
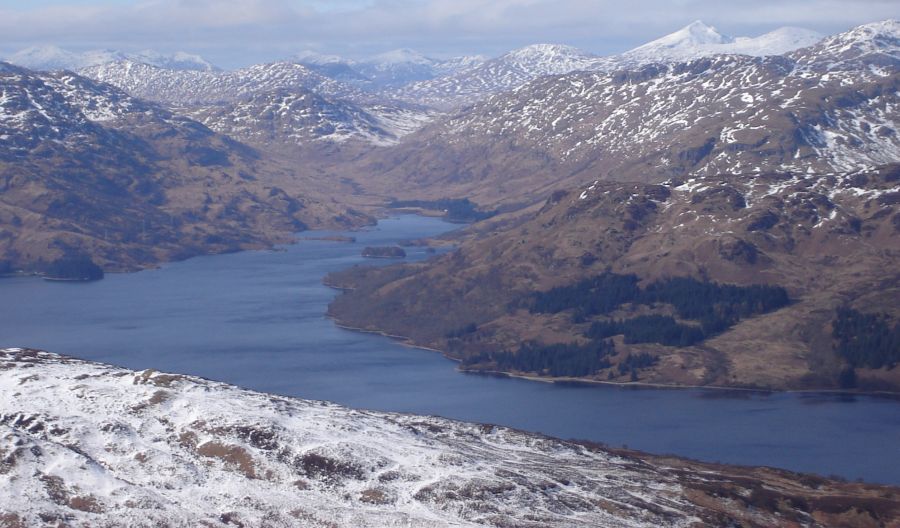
pixel 715 306
pixel 660 329
pixel 560 359
pixel 866 340
pixel 74 267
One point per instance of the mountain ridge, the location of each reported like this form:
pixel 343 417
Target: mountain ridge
pixel 518 67
pixel 91 443
pixel 823 108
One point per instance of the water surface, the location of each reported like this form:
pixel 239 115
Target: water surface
pixel 256 319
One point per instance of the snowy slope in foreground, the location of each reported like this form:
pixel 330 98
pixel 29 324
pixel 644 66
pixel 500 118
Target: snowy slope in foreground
pixel 152 447
pixel 89 444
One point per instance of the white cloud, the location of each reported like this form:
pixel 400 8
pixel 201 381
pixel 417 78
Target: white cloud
pixel 241 31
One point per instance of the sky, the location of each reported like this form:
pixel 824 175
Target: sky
pixel 234 33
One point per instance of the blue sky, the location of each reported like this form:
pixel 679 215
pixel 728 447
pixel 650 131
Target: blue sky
pixel 239 32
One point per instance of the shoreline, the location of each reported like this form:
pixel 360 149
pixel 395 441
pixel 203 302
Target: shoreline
pixel 406 341
pixel 643 384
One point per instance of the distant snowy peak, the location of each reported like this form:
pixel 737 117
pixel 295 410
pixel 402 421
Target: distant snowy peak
pixel 701 40
pixel 507 72
pixel 778 42
pixel 549 59
pixel 188 88
pixel 51 58
pixel 391 69
pixel 175 61
pixel 695 34
pixel 523 65
pixel 310 57
pixel 401 56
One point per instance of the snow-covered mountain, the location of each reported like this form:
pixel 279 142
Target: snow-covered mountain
pixel 501 74
pixel 192 88
pixel 49 58
pixel 701 40
pixel 86 167
pixel 458 64
pixel 63 109
pixel 778 42
pixel 333 66
pixel 386 70
pixel 828 108
pixel 396 68
pixel 174 61
pixel 90 444
pixel 277 104
pixel 518 67
pixel 299 117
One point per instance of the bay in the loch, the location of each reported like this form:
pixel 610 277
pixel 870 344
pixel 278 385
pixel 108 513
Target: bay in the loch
pixel 256 319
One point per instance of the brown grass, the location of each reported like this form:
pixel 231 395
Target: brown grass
pixel 232 455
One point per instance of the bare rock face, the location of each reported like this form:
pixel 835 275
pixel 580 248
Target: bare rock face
pixel 89 444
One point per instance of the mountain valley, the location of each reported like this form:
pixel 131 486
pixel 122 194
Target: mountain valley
pixel 176 162
pixel 828 240
pixel 704 212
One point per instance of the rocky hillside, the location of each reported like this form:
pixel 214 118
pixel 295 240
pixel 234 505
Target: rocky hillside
pixel 86 168
pixel 830 107
pixel 89 444
pixel 595 264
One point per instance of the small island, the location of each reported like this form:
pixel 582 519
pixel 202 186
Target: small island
pixel 73 268
pixel 384 252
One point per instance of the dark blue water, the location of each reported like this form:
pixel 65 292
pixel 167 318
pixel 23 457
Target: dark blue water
pixel 256 319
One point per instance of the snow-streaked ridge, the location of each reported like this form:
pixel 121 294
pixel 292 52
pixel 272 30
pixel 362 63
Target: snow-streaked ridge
pixel 518 67
pixel 93 444
pixel 196 88
pixel 727 113
pixel 300 117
